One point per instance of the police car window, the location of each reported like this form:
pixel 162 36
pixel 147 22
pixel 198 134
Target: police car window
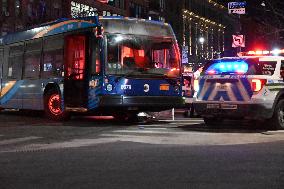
pixel 250 66
pixel 266 67
pixel 282 68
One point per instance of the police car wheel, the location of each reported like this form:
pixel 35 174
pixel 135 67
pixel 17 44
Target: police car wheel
pixel 278 116
pixel 212 122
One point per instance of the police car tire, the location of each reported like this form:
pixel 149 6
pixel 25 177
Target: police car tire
pixel 278 116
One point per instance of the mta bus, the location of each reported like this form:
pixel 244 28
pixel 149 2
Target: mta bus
pixel 98 66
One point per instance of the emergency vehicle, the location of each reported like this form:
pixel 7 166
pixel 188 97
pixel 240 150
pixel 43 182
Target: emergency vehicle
pixel 250 87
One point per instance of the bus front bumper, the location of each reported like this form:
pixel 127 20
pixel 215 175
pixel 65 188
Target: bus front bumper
pixel 143 103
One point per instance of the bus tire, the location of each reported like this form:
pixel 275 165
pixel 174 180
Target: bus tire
pixel 212 122
pixel 277 119
pixel 52 106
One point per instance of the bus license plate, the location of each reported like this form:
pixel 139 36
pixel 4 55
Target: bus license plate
pixel 164 87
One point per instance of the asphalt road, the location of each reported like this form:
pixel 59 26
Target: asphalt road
pixel 90 152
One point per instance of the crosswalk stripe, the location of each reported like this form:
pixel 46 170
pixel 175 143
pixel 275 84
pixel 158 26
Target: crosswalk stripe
pixel 17 140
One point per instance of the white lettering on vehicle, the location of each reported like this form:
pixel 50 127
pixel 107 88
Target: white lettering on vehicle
pixel 126 87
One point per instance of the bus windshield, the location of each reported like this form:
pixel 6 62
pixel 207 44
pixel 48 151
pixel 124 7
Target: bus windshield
pixel 140 55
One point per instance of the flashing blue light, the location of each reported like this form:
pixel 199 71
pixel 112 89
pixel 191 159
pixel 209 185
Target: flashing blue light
pixel 228 67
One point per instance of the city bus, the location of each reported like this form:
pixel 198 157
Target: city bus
pixel 99 66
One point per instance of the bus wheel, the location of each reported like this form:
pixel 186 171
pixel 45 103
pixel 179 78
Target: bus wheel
pixel 277 119
pixel 52 106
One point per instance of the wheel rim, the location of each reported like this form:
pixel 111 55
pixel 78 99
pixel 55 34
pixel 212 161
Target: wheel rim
pixel 54 104
pixel 281 115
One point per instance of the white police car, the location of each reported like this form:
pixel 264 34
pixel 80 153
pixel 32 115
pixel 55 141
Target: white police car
pixel 249 87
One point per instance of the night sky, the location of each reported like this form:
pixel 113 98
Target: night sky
pixel 263 23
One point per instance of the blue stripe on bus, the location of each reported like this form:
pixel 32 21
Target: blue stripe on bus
pixel 11 92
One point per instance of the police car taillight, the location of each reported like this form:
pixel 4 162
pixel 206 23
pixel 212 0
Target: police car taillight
pixel 257 84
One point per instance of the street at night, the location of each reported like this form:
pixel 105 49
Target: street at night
pixel 146 94
pixel 89 152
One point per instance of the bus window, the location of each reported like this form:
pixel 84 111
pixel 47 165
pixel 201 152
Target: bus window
pixel 75 57
pixel 15 61
pixel 32 59
pixel 52 57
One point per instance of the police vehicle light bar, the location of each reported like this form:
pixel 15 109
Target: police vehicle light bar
pixel 239 67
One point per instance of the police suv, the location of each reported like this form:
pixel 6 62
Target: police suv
pixel 247 87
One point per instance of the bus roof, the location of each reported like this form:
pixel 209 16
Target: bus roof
pixel 126 25
pixel 111 24
pixel 61 25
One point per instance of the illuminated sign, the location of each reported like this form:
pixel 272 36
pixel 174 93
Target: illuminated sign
pixel 82 10
pixel 237 7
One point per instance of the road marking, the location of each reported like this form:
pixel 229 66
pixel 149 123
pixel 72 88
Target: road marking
pixel 183 120
pixel 143 131
pixel 17 140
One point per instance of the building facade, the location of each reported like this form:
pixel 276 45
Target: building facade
pixel 20 14
pixel 203 28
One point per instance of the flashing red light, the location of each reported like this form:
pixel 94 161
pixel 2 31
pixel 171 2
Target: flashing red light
pixel 103 1
pixel 211 72
pixel 257 84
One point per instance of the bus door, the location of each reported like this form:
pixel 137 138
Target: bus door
pixel 75 85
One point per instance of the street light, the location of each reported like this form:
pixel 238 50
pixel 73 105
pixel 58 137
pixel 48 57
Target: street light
pixel 201 40
pixel 263 4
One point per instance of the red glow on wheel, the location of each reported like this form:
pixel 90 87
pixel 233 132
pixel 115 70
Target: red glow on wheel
pixel 54 104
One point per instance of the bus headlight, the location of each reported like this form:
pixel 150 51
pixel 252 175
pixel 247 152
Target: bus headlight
pixel 109 87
